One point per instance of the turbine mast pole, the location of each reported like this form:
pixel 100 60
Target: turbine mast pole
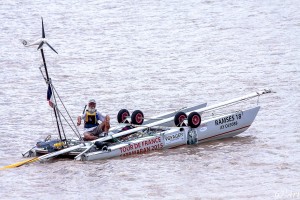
pixel 49 84
pixel 48 81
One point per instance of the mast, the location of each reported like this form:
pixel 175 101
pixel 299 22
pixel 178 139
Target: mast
pixel 48 81
pixel 51 89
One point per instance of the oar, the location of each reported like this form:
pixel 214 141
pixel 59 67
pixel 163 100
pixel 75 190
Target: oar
pixel 43 157
pixel 18 164
pixel 84 109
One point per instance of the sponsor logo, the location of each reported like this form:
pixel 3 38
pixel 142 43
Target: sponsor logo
pixel 202 129
pixel 174 138
pixel 142 147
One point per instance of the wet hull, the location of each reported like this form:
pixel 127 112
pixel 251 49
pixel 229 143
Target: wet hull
pixel 73 143
pixel 225 126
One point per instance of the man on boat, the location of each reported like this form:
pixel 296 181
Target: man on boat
pixel 94 130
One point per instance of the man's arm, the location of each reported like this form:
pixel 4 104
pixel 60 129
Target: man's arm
pixel 79 118
pixel 100 117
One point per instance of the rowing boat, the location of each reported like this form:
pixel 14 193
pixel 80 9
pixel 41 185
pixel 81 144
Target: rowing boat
pixel 160 135
pixel 187 126
pixel 47 146
pixel 154 136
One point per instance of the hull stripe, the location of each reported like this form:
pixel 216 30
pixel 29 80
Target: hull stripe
pixel 225 133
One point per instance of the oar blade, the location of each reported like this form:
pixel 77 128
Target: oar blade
pixel 18 164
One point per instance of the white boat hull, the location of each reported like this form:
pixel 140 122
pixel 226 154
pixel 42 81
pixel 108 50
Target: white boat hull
pixel 225 126
pixel 74 149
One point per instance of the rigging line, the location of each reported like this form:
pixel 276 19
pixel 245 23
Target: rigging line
pixel 52 86
pixel 70 125
pixel 55 113
pixel 62 127
pixel 79 136
pixel 56 108
pixel 43 73
pixel 49 82
pixel 55 130
pixel 67 112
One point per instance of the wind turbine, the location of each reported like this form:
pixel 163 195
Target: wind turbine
pixel 40 42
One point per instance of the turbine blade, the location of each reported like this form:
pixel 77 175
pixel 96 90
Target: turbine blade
pixel 51 47
pixel 43 31
pixel 40 46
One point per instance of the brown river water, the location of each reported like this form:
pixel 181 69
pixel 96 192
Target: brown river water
pixel 156 56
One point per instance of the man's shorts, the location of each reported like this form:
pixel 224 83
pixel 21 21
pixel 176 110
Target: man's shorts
pixel 98 131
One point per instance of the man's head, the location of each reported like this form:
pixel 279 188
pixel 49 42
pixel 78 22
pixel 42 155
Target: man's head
pixel 92 105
